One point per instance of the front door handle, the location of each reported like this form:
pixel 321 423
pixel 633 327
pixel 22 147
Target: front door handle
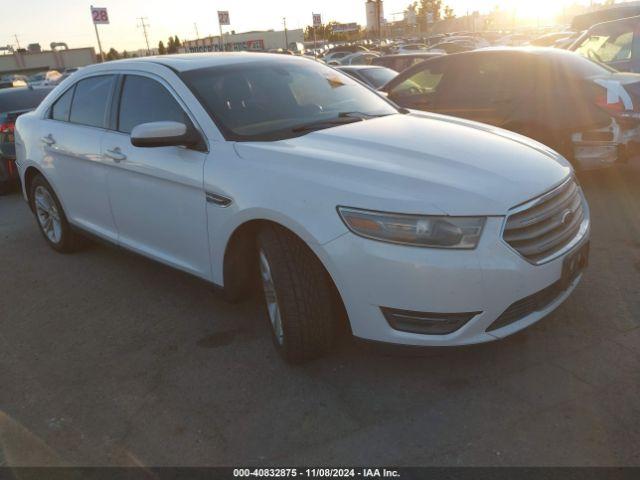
pixel 48 140
pixel 116 155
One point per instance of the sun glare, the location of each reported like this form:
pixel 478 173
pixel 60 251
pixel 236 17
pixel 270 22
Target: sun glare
pixel 543 9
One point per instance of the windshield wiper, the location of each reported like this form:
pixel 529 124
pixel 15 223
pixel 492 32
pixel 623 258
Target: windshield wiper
pixel 308 127
pixel 342 119
pixel 361 115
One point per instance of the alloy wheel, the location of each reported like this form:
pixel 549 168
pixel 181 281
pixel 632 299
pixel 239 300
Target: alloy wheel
pixel 48 215
pixel 273 308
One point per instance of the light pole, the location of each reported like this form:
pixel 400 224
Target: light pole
pixel 286 38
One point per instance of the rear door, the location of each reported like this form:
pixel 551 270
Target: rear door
pixel 71 139
pixel 484 87
pixel 157 194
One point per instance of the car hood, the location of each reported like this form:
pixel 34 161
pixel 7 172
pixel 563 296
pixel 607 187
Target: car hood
pixel 417 163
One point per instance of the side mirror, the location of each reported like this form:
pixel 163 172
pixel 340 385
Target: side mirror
pixel 163 134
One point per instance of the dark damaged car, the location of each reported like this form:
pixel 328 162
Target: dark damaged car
pixel 13 103
pixel 586 111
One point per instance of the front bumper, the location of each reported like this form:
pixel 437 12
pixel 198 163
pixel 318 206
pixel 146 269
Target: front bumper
pixel 487 280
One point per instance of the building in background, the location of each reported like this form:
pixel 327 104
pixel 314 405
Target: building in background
pixel 248 41
pixel 371 8
pixel 36 60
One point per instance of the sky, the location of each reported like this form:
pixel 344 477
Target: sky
pixel 70 20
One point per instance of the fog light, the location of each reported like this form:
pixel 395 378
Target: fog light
pixel 426 323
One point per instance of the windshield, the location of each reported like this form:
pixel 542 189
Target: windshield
pixel 271 99
pixel 378 76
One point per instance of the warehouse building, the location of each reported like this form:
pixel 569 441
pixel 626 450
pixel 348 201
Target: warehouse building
pixel 27 62
pixel 252 41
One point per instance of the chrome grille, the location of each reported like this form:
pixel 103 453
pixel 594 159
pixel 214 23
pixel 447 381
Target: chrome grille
pixel 547 224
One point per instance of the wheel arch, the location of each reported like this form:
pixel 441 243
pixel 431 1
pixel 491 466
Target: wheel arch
pixel 239 264
pixel 29 174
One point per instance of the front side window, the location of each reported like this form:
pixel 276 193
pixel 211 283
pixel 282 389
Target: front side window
pixel 275 99
pixel 145 100
pixel 90 101
pixel 426 82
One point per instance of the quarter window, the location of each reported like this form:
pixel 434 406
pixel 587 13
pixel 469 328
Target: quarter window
pixel 144 100
pixel 62 107
pixel 89 106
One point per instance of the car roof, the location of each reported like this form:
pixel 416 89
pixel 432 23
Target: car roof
pixel 416 54
pixel 194 61
pixel 525 50
pixel 596 26
pixel 360 67
pixel 21 98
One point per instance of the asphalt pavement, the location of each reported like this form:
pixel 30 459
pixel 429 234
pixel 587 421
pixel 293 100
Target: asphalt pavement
pixel 107 358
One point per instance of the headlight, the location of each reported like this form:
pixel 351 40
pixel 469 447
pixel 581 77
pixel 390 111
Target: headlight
pixel 418 230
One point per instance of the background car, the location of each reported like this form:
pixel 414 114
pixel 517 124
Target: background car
pixel 615 43
pixel 551 39
pixel 586 111
pixel 44 79
pixel 411 47
pixel 359 58
pixel 402 61
pixel 13 103
pixel 452 47
pixel 374 76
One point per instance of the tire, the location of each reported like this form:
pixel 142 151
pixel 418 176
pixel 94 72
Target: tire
pixel 294 278
pixel 45 205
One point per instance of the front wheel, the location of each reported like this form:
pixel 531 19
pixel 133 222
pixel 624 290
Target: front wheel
pixel 298 296
pixel 51 218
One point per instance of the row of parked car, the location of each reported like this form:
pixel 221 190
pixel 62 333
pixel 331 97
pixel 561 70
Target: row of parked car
pixel 583 100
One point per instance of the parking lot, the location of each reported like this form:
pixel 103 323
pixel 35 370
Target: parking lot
pixel 110 359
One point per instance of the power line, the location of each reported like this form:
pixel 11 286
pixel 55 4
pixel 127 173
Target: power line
pixel 144 25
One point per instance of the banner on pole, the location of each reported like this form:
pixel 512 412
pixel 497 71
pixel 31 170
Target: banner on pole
pixel 223 18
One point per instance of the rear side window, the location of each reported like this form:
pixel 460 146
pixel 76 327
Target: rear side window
pixel 62 107
pixel 89 106
pixel 144 100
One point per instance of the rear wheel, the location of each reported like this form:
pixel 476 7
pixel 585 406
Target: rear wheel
pixel 51 218
pixel 298 296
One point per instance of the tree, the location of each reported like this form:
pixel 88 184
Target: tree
pixel 426 7
pixel 448 13
pixel 176 42
pixel 125 54
pixel 112 54
pixel 171 46
pixel 161 49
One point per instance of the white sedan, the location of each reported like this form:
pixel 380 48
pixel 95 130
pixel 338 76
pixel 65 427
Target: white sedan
pixel 420 229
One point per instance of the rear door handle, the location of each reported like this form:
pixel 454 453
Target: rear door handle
pixel 48 140
pixel 116 155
